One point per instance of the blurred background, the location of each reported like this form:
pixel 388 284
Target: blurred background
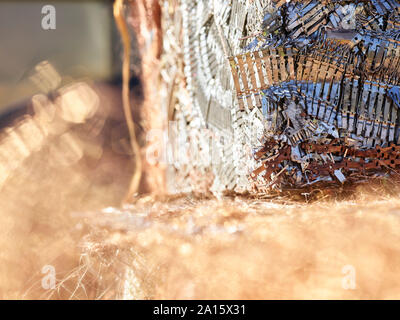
pixel 64 144
pixel 82 45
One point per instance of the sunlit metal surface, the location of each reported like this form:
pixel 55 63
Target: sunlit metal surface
pixel 326 77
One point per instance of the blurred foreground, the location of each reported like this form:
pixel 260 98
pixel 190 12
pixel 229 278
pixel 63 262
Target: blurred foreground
pixel 188 247
pixel 238 248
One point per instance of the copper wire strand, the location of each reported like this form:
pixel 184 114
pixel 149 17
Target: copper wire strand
pixel 126 40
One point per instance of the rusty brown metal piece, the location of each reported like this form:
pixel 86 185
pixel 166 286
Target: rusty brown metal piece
pixel 352 160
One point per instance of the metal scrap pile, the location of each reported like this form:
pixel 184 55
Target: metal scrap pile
pixel 326 76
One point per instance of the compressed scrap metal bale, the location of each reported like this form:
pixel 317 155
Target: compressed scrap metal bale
pixel 296 93
pixel 326 76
